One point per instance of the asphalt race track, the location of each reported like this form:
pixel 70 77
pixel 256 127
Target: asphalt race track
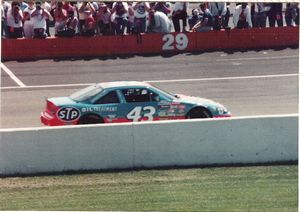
pixel 249 83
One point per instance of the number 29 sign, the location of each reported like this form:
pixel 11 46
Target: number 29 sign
pixel 175 42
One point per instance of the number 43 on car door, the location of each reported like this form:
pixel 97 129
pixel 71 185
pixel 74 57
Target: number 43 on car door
pixel 141 112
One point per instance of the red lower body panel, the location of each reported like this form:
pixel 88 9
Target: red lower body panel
pixel 49 120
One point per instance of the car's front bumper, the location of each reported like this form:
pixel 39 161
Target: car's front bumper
pixel 223 116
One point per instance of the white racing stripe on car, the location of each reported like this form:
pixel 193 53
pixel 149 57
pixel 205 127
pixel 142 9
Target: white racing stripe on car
pixel 12 76
pixel 161 81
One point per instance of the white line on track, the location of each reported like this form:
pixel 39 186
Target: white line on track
pixel 224 78
pixel 164 81
pixel 257 58
pixel 12 76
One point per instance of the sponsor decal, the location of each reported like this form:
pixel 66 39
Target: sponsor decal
pixel 162 114
pixel 68 114
pixel 99 109
pixel 181 111
pixel 164 106
pixel 164 102
pixel 111 118
pixel 181 107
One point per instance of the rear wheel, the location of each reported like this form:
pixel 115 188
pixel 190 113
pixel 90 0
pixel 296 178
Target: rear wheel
pixel 91 119
pixel 197 113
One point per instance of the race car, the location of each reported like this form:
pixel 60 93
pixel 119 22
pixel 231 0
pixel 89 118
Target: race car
pixel 126 101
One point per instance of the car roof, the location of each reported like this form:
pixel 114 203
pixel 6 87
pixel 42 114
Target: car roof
pixel 122 84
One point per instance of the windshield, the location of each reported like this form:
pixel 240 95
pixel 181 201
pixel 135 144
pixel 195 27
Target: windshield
pixel 86 93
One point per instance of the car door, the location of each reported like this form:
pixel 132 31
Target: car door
pixel 107 106
pixel 140 104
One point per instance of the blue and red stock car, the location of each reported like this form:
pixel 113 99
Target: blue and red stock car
pixel 126 102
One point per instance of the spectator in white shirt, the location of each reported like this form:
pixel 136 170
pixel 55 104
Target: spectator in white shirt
pixel 140 16
pixel 242 16
pixel 159 22
pixel 218 11
pixel 4 8
pixel 39 16
pixel 14 21
pixel 49 21
pixel 28 22
pixel 162 7
pixel 119 17
pixel 180 13
pixel 130 18
pixel 2 18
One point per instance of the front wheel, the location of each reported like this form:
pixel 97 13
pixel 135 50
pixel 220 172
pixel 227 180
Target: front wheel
pixel 90 119
pixel 198 113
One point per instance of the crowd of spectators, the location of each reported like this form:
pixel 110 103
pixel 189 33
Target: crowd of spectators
pixel 33 19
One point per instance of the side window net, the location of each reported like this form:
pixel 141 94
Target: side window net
pixel 138 95
pixel 110 98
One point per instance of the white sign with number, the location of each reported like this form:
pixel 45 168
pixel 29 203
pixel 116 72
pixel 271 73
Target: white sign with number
pixel 172 42
pixel 136 113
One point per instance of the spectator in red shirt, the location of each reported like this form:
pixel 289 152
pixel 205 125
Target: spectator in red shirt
pixel 60 16
pixel 70 25
pixel 84 6
pixel 89 27
pixel 67 6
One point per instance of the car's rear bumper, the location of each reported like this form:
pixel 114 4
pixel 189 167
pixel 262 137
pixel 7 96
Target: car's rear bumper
pixel 49 120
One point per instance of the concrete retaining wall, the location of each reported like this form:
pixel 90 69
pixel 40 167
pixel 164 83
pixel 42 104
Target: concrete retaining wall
pixel 158 144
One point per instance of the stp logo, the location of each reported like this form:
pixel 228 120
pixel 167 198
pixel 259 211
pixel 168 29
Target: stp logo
pixel 68 114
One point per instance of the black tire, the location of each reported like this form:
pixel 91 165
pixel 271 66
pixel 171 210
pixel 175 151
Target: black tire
pixel 90 119
pixel 199 113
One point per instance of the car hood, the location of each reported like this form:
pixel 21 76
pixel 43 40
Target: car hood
pixel 62 101
pixel 196 100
